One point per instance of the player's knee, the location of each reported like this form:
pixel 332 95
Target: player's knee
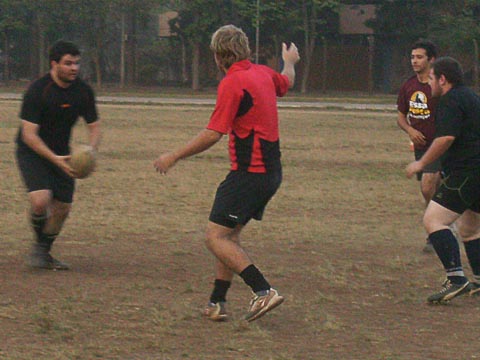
pixel 39 206
pixel 468 232
pixel 210 237
pixel 61 211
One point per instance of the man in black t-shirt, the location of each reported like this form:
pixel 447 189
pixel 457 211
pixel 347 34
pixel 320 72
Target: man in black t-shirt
pixel 457 144
pixel 51 106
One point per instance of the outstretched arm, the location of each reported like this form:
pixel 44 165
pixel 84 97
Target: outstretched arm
pixel 203 141
pixel 94 134
pixel 290 58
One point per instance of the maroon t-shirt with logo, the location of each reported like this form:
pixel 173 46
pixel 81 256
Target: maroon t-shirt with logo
pixel 246 109
pixel 416 102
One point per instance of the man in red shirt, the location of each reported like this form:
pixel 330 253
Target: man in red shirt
pixel 416 116
pixel 246 110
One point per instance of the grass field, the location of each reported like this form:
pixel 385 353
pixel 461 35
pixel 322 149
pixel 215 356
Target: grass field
pixel 341 241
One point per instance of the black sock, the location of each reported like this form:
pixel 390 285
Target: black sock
pixel 472 248
pixel 447 249
pixel 38 222
pixel 46 240
pixel 219 293
pixel 254 278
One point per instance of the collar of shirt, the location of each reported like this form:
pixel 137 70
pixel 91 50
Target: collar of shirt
pixel 239 65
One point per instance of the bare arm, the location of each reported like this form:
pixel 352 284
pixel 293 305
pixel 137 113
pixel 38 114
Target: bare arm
pixel 94 134
pixel 203 141
pixel 32 140
pixel 290 58
pixel 416 136
pixel 439 146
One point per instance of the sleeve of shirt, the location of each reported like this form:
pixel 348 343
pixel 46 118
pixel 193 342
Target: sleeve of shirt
pixel 31 106
pixel 89 112
pixel 402 105
pixel 448 118
pixel 281 82
pixel 226 107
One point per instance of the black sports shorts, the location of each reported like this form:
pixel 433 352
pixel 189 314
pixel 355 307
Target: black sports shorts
pixel 243 196
pixel 460 191
pixel 40 174
pixel 430 168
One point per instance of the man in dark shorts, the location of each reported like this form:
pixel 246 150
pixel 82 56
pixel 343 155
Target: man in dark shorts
pixel 51 106
pixel 246 109
pixel 457 144
pixel 416 116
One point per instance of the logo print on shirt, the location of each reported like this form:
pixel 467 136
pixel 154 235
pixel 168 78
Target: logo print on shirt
pixel 65 106
pixel 419 106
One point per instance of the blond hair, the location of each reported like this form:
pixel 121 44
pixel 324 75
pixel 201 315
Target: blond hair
pixel 230 44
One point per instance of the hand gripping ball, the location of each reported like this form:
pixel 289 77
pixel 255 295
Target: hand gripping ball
pixel 83 161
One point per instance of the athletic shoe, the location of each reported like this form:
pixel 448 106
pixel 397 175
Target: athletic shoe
pixel 41 259
pixel 428 248
pixel 216 311
pixel 448 292
pixel 261 304
pixel 474 289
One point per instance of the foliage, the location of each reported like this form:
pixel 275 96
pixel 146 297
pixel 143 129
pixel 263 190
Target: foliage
pixel 453 24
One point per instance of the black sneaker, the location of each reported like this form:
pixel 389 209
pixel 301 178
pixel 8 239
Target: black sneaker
pixel 448 292
pixel 474 289
pixel 41 259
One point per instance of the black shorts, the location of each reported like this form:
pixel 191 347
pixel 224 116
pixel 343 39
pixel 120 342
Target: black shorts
pixel 430 168
pixel 460 191
pixel 40 174
pixel 243 196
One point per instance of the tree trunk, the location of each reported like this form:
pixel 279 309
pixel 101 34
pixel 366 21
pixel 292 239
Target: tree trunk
pixel 475 65
pixel 6 66
pixel 371 50
pixel 310 38
pixel 184 61
pixel 98 70
pixel 42 65
pixel 196 67
pixel 324 64
pixel 122 52
pixel 131 48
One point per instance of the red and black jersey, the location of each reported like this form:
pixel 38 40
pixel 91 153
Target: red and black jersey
pixel 415 101
pixel 56 110
pixel 246 109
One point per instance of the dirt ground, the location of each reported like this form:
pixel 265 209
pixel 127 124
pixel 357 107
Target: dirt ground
pixel 341 241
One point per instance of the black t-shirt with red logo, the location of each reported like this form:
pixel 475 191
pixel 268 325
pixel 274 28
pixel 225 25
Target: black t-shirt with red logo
pixel 246 109
pixel 56 110
pixel 416 102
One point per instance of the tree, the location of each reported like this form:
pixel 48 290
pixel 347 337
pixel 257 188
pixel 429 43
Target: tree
pixel 196 20
pixel 456 27
pixel 313 17
pixel 13 20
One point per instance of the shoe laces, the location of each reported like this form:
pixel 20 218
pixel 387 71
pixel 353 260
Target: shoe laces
pixel 446 286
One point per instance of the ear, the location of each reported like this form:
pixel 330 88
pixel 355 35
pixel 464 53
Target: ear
pixel 442 80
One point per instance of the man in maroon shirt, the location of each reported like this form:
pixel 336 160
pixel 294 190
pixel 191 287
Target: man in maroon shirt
pixel 246 110
pixel 416 116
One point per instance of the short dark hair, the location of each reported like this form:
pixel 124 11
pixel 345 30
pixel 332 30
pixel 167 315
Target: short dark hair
pixel 428 46
pixel 450 68
pixel 61 48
